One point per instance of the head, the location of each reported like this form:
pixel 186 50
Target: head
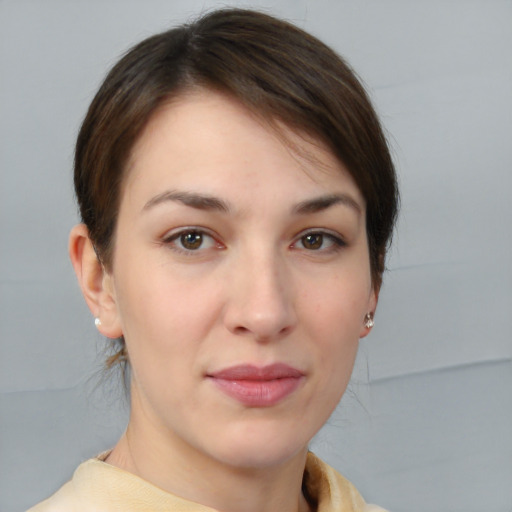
pixel 276 70
pixel 236 91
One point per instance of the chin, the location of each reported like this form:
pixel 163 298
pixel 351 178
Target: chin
pixel 261 450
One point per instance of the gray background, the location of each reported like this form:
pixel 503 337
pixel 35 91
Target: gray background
pixel 427 422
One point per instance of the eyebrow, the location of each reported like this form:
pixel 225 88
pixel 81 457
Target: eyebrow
pixel 198 201
pixel 211 203
pixel 321 203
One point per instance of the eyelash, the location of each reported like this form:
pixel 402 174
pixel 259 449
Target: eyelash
pixel 337 242
pixel 172 239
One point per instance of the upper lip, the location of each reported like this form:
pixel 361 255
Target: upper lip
pixel 256 373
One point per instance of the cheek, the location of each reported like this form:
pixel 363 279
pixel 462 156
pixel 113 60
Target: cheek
pixel 161 334
pixel 162 311
pixel 336 308
pixel 333 318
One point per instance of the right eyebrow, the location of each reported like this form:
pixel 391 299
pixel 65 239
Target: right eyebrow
pixel 192 199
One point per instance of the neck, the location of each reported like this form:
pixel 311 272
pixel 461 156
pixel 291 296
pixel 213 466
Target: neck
pixel 160 458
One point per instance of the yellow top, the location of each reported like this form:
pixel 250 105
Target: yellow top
pixel 99 487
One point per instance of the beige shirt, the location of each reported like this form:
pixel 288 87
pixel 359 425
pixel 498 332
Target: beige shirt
pixel 99 487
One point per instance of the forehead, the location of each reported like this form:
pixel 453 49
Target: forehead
pixel 211 137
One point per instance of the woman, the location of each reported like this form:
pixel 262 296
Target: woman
pixel 237 198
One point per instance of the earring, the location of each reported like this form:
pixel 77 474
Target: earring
pixel 97 322
pixel 368 320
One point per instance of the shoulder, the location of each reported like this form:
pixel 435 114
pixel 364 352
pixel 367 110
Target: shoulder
pixel 331 491
pixel 101 487
pixel 74 496
pixel 64 500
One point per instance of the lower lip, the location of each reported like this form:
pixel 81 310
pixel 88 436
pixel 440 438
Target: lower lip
pixel 258 393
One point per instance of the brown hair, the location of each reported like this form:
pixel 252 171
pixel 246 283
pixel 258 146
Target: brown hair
pixel 272 67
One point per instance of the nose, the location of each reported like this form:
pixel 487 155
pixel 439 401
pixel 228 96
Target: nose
pixel 260 298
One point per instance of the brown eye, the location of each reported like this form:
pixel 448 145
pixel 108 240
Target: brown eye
pixel 323 242
pixel 191 240
pixel 312 241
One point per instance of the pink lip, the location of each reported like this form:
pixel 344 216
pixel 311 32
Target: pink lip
pixel 258 386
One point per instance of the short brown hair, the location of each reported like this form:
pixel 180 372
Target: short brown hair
pixel 272 67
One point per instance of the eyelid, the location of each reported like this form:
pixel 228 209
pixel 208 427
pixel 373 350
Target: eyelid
pixel 171 236
pixel 176 232
pixel 337 239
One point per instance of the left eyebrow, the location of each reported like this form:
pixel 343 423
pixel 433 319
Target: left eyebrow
pixel 321 203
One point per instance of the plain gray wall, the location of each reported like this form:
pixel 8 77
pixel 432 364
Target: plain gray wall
pixel 427 423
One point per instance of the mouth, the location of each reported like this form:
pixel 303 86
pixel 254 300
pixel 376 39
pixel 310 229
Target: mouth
pixel 255 386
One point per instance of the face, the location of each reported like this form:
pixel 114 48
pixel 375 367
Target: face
pixel 240 281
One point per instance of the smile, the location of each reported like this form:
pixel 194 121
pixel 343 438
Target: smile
pixel 258 387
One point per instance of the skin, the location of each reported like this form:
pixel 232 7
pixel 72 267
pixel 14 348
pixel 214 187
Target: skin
pixel 256 290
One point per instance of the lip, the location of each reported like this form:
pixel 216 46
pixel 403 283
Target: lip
pixel 255 386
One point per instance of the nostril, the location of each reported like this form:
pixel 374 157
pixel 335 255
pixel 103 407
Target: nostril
pixel 240 330
pixel 262 335
pixel 260 308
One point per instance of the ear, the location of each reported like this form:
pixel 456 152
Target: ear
pixel 95 282
pixel 372 306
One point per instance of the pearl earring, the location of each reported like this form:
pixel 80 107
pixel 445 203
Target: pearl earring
pixel 368 320
pixel 97 322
